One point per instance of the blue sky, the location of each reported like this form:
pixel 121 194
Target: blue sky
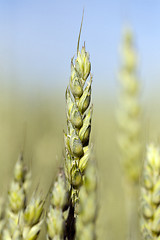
pixel 39 37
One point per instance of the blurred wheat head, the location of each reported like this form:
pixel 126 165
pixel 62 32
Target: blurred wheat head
pixel 150 194
pixel 128 114
pixel 56 215
pixel 21 220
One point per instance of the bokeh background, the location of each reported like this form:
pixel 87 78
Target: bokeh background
pixel 38 38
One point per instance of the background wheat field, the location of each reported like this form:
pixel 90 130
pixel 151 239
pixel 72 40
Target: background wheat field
pixel 36 45
pixel 41 137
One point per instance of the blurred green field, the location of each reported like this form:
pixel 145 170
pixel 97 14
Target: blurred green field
pixel 35 124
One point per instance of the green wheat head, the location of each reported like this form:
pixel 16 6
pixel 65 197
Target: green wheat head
pixel 79 114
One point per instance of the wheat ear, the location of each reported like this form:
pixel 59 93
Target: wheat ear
pixel 16 198
pixel 129 112
pixel 79 114
pixel 129 131
pixel 22 220
pixel 85 223
pixel 55 220
pixel 150 194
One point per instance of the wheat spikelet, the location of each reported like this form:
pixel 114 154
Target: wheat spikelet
pixel 30 220
pixel 85 223
pixel 16 235
pixel 55 220
pixel 150 194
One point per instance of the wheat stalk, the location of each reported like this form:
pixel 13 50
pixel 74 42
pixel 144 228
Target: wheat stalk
pixel 150 194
